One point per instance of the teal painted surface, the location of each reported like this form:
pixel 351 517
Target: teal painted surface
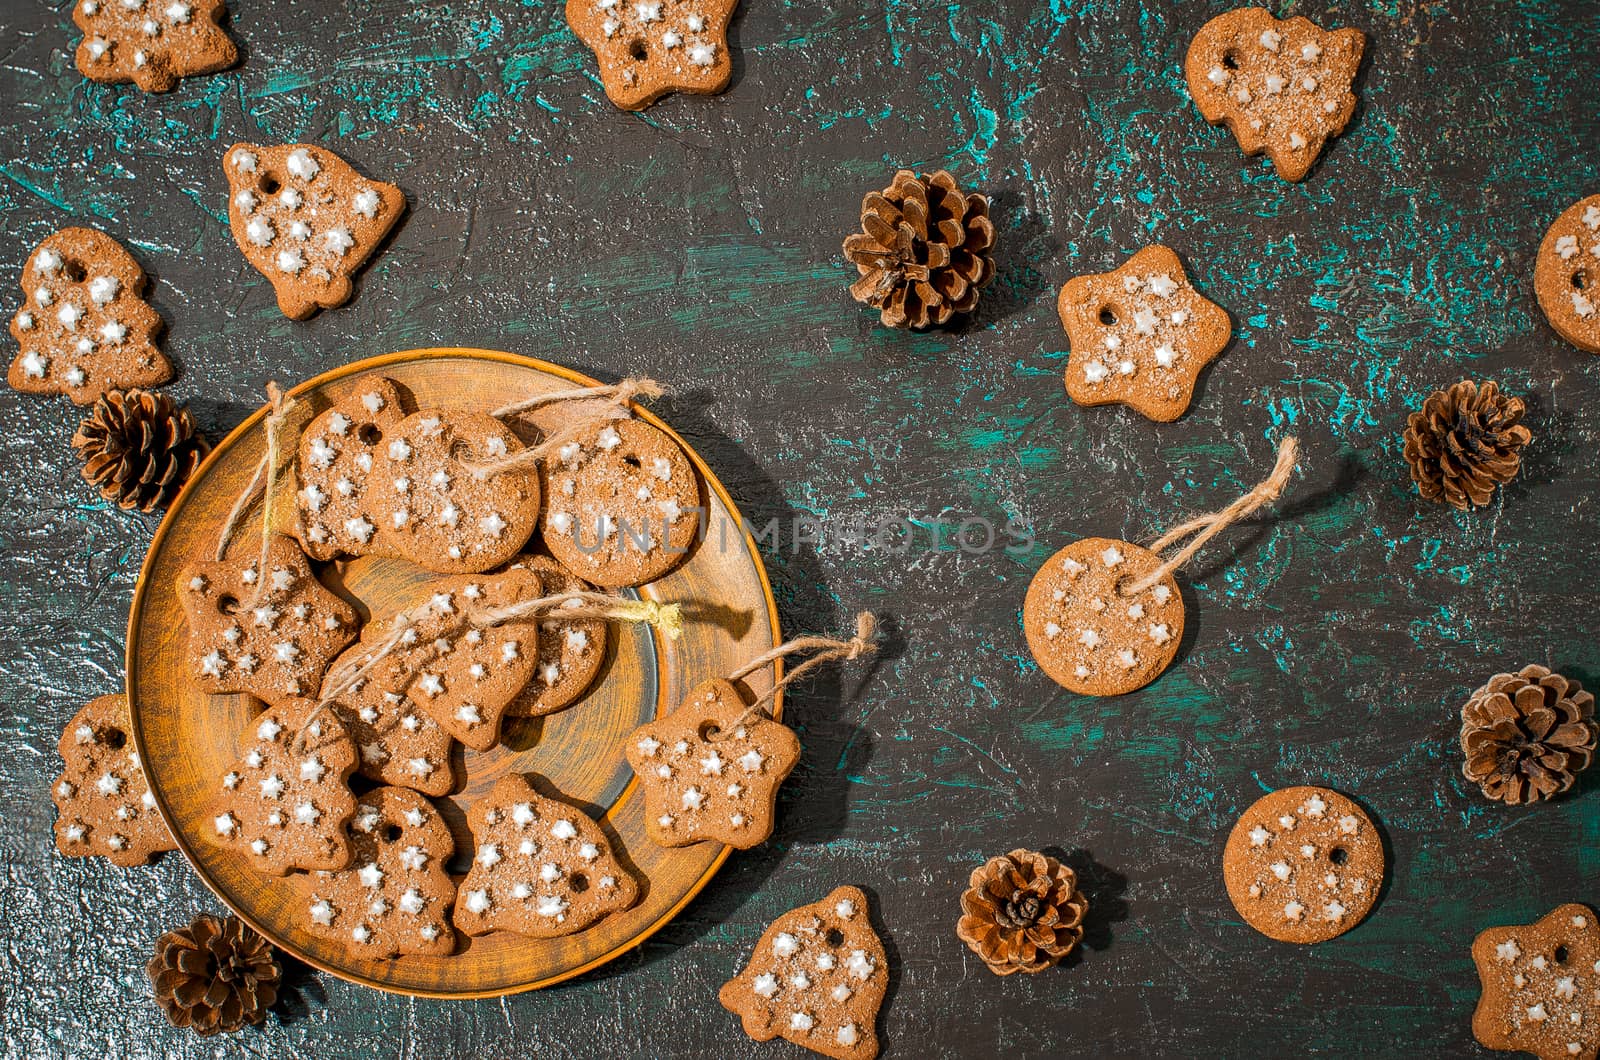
pixel 698 242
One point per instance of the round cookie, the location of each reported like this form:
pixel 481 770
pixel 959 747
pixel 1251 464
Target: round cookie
pixel 1090 637
pixel 570 653
pixel 1303 864
pixel 621 504
pixel 1566 275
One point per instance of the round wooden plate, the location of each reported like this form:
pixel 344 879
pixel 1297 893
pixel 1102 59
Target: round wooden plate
pixel 187 739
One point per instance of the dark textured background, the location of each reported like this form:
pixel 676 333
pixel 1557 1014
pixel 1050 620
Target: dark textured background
pixel 1332 643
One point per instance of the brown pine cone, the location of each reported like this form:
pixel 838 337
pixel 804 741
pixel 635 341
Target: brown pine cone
pixel 1527 735
pixel 216 975
pixel 1022 912
pixel 139 448
pixel 1464 442
pixel 924 250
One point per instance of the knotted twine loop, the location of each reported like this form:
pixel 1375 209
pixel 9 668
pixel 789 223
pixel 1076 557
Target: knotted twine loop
pixel 262 485
pixel 617 397
pixel 824 650
pixel 667 619
pixel 1205 527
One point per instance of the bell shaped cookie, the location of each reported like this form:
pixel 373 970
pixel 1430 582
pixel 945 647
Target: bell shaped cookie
pixel 399 742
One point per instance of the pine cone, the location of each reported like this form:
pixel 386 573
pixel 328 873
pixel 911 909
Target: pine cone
pixel 214 975
pixel 139 448
pixel 1022 913
pixel 924 250
pixel 1464 442
pixel 1527 735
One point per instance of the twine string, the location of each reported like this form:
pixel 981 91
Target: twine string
pixel 823 650
pixel 617 397
pixel 262 484
pixel 1205 527
pixel 629 390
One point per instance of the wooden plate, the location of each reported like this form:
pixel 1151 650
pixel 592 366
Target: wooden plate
pixel 187 739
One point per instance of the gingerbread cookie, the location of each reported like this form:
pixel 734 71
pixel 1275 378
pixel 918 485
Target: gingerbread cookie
pixel 1283 87
pixel 306 220
pixel 709 772
pixel 84 327
pixel 270 633
pixel 1087 632
pixel 399 742
pixel 1140 335
pixel 542 867
pixel 646 50
pixel 817 978
pixel 622 504
pixel 1541 986
pixel 284 803
pixel 571 651
pixel 463 675
pixel 152 43
pixel 103 802
pixel 1303 865
pixel 1566 275
pixel 377 482
pixel 396 895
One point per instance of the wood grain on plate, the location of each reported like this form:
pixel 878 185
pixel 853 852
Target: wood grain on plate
pixel 187 738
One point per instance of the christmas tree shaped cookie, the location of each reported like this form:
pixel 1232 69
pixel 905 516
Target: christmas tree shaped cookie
pixel 84 327
pixel 817 978
pixel 103 802
pixel 395 897
pixel 152 43
pixel 284 803
pixel 269 632
pixel 646 50
pixel 710 770
pixel 542 867
pixel 306 220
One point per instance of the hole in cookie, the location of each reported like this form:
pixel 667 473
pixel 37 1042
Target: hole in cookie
pixel 1560 955
pixel 1579 280
pixel 269 184
pixel 636 49
pixel 709 730
pixel 228 605
pixel 1230 59
pixel 369 434
pixel 114 738
pixel 833 937
pixel 1108 315
pixel 632 461
pixel 578 882
pixel 391 833
pixel 74 270
pixel 1338 855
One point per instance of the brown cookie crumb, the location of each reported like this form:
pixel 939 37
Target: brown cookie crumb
pixel 1303 865
pixel 103 802
pixel 1283 87
pixel 152 43
pixel 646 50
pixel 1541 986
pixel 84 326
pixel 1566 274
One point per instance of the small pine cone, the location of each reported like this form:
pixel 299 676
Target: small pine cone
pixel 924 251
pixel 1464 442
pixel 1023 912
pixel 1527 735
pixel 216 975
pixel 139 448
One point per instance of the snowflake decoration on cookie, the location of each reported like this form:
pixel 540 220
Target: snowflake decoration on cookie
pixel 709 772
pixel 817 978
pixel 541 867
pixel 84 327
pixel 152 43
pixel 306 220
pixel 103 802
pixel 1541 986
pixel 647 49
pixel 270 632
pixel 1140 335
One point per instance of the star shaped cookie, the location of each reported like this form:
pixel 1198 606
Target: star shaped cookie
pixel 1140 335
pixel 152 43
pixel 1541 986
pixel 648 48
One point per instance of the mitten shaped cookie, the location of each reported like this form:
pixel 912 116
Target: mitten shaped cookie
pixel 306 220
pixel 285 802
pixel 542 868
pixel 646 50
pixel 396 895
pixel 85 327
pixel 152 43
pixel 622 504
pixel 1283 87
pixel 103 802
pixel 376 482
pixel 710 770
pixel 571 650
pixel 269 632
pixel 817 978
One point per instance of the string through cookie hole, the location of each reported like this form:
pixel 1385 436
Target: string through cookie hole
pixel 710 731
pixel 228 604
